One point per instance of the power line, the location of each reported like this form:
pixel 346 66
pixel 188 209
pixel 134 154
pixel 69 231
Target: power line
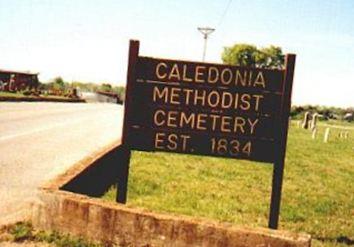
pixel 224 13
pixel 206 31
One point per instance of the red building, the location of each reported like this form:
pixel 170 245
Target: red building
pixel 17 80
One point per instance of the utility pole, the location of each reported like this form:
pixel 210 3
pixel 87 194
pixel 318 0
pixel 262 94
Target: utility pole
pixel 205 31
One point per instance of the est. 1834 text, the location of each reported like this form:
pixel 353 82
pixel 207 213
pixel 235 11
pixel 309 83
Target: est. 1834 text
pixel 218 146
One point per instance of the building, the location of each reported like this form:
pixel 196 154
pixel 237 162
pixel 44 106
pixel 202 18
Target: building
pixel 17 80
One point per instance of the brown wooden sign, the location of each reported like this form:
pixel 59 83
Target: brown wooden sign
pixel 205 109
pixel 208 109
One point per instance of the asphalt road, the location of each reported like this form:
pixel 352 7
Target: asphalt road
pixel 38 141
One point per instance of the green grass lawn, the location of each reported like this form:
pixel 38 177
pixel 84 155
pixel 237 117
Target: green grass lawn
pixel 20 94
pixel 9 94
pixel 337 122
pixel 318 188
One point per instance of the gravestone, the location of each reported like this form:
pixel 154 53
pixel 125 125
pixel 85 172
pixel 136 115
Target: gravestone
pixel 314 133
pixel 305 123
pixel 326 135
pixel 313 123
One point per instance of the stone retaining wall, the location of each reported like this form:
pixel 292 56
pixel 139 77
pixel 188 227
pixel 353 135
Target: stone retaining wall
pixel 116 224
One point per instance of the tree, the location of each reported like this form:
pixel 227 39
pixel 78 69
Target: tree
pixel 58 84
pixel 251 56
pixel 106 87
pixel 58 80
pixel 240 54
pixel 270 57
pixel 120 90
pixel 86 87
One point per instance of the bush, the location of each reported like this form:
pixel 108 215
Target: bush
pixel 27 93
pixel 22 231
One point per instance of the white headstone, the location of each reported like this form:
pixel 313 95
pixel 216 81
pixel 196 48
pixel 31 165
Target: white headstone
pixel 313 123
pixel 326 135
pixel 314 133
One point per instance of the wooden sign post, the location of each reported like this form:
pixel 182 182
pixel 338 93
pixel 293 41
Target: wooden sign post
pixel 279 161
pixel 207 109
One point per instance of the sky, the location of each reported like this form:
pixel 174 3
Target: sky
pixel 88 40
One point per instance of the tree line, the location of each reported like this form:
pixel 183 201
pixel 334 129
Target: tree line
pixel 59 87
pixel 326 112
pixel 271 57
